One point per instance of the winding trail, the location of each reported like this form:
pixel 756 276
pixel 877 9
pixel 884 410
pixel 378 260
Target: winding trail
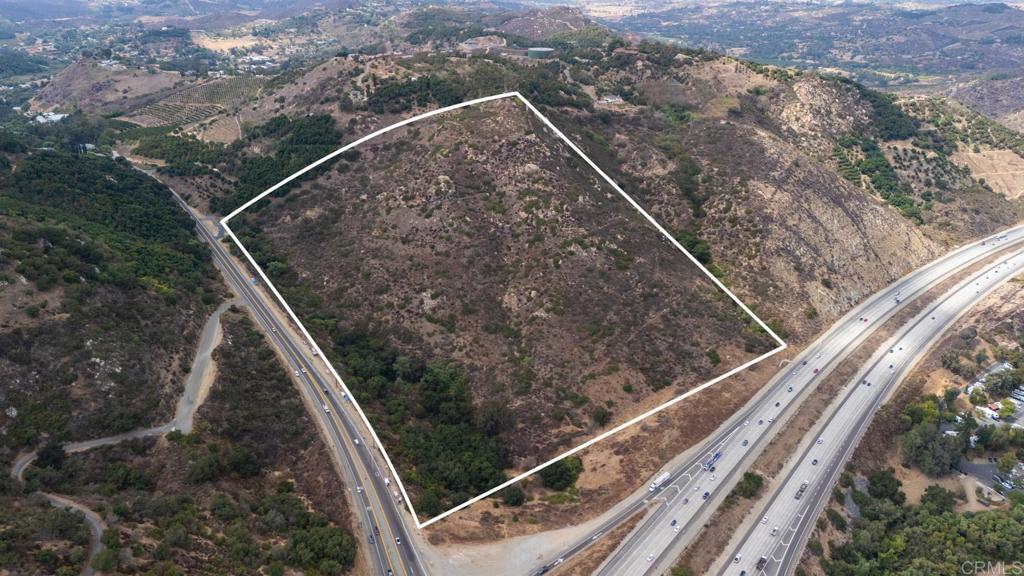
pixel 197 386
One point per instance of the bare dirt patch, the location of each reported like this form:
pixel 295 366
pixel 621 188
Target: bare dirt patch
pixel 92 87
pixel 21 305
pixel 223 43
pixel 222 129
pixel 1003 170
pixel 590 559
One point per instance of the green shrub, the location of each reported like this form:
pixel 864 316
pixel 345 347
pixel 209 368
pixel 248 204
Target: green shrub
pixel 562 474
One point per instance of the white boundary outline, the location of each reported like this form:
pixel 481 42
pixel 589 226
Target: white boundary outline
pixel 394 471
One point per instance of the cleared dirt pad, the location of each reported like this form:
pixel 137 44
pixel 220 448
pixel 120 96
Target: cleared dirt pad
pixel 1003 170
pixel 588 561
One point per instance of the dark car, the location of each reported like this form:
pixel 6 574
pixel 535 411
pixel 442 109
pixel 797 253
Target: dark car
pixel 706 494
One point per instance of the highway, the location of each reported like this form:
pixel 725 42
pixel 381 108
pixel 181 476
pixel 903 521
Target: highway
pixel 653 546
pixel 649 548
pixel 373 504
pixel 789 519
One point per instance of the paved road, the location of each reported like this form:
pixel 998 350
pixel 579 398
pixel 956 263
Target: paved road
pixel 654 544
pixel 376 510
pixel 93 521
pixel 184 413
pixel 794 505
pixel 183 417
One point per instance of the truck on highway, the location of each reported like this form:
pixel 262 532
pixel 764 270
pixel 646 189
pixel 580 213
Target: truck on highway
pixel 711 461
pixel 661 479
pixel 803 488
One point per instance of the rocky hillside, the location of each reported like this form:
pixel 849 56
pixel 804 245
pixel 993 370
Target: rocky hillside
pixel 805 193
pixel 801 192
pixel 999 97
pixel 480 241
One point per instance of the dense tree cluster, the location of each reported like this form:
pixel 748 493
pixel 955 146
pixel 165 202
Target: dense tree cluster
pixel 540 84
pixel 929 538
pixel 562 474
pixel 254 405
pixel 749 485
pixel 131 276
pixel 396 97
pixel 124 227
pixel 924 445
pixel 889 120
pixel 252 421
pixel 296 142
pixel 885 182
pixel 16 62
pixel 456 452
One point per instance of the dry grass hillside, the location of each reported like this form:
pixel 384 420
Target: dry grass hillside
pixel 802 193
pixel 91 87
pixel 786 219
pixel 478 238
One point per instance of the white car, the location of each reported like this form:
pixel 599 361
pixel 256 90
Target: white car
pixel 650 557
pixel 764 520
pixel 736 560
pixel 775 531
pixel 820 440
pixel 296 372
pixel 326 409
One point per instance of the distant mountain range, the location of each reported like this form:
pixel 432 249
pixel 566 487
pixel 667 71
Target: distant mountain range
pixel 882 42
